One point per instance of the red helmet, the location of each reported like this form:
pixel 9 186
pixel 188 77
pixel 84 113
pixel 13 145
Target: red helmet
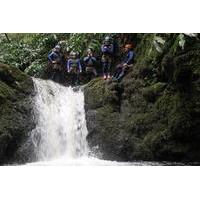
pixel 129 46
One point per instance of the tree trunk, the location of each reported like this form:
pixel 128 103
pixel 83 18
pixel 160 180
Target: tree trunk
pixel 7 37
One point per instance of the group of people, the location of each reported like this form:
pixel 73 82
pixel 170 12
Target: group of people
pixel 74 65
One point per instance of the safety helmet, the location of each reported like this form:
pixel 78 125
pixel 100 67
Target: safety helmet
pixel 89 50
pixel 128 46
pixel 107 39
pixel 73 54
pixel 57 47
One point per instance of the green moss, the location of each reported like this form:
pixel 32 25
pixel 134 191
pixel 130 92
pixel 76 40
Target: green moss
pixel 158 115
pixel 98 93
pixel 11 74
pixel 175 46
pixel 5 91
pixel 152 92
pixel 15 110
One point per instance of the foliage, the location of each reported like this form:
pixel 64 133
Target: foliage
pixel 24 49
pixel 79 42
pixel 28 51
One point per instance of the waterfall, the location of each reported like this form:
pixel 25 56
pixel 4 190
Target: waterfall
pixel 60 122
pixel 59 137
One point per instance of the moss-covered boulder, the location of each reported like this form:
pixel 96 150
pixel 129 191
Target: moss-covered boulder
pixel 153 113
pixel 15 112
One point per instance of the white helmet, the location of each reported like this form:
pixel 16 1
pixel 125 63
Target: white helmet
pixel 73 54
pixel 107 38
pixel 57 47
pixel 89 50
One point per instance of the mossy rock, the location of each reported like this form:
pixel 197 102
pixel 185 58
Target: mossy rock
pixel 11 74
pixel 158 105
pixel 16 120
pixel 99 92
pixel 5 91
pixel 152 92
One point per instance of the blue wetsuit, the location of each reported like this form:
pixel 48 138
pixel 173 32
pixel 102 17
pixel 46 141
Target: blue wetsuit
pixel 89 60
pixel 53 56
pixel 74 63
pixel 107 51
pixel 129 59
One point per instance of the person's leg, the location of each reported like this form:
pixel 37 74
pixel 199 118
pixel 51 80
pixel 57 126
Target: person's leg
pixel 53 75
pixel 77 77
pixel 62 79
pixel 104 69
pixel 57 76
pixel 117 71
pixel 108 70
pixel 121 74
pixel 73 78
pixel 94 71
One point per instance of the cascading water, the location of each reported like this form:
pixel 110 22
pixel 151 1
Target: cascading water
pixel 60 122
pixel 60 134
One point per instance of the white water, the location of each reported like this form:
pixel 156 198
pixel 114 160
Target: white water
pixel 61 128
pixel 60 134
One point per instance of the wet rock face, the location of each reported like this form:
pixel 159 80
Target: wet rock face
pixel 16 118
pixel 149 116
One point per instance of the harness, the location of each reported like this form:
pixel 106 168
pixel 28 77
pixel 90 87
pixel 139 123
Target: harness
pixel 56 57
pixel 106 58
pixel 90 62
pixel 74 63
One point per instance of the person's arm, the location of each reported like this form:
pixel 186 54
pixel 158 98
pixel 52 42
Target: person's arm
pixel 111 49
pixel 68 65
pixel 79 66
pixel 130 57
pixel 93 59
pixel 86 59
pixel 50 57
pixel 104 48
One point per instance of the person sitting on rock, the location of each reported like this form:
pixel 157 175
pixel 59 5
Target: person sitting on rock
pixel 74 67
pixel 55 62
pixel 125 64
pixel 90 63
pixel 107 54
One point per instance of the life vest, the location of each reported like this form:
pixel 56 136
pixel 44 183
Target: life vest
pixel 106 58
pixel 54 56
pixel 107 49
pixel 74 63
pixel 90 62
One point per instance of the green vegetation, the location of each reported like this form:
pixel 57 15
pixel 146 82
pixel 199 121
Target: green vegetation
pixel 15 111
pixel 28 52
pixel 152 114
pixel 158 115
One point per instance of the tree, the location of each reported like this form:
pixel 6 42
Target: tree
pixel 7 37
